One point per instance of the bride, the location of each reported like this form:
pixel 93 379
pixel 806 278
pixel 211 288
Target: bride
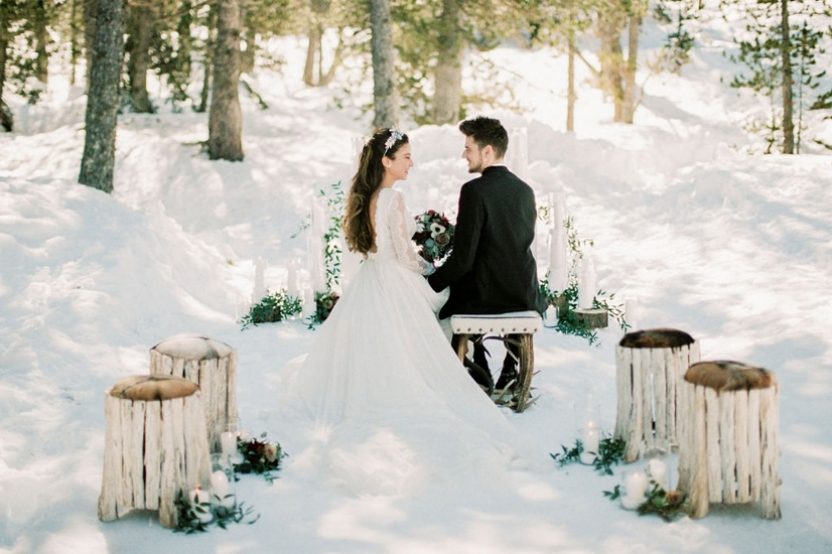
pixel 393 406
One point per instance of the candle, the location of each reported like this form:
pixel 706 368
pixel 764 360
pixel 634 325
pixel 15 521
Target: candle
pixel 199 496
pixel 657 470
pixel 292 287
pixel 590 440
pixel 308 302
pixel 587 286
pixel 228 443
pixel 558 271
pixel 219 484
pixel 315 249
pixel 259 289
pixel 636 489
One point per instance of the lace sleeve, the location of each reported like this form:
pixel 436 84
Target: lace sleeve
pixel 402 243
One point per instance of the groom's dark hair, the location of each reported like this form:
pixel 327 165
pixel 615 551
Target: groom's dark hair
pixel 485 131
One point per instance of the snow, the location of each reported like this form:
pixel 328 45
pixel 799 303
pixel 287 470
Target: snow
pixel 731 247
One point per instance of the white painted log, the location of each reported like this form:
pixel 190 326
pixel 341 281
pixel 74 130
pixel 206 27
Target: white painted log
pixel 770 478
pixel 743 487
pixel 212 365
pixel 712 444
pixel 728 449
pixel 156 446
pixel 651 362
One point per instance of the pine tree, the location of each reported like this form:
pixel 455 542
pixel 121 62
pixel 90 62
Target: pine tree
pixel 140 23
pixel 385 99
pixel 103 97
pixel 225 118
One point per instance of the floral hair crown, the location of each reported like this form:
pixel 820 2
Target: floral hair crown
pixel 395 136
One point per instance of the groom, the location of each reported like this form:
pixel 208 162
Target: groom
pixel 491 269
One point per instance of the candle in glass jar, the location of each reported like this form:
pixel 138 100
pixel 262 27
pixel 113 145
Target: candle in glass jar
pixel 590 440
pixel 657 470
pixel 228 443
pixel 219 484
pixel 199 496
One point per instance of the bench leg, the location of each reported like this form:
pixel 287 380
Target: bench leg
pixel 461 346
pixel 524 378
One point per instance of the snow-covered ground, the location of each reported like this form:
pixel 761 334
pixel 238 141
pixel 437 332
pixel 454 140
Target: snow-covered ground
pixel 732 248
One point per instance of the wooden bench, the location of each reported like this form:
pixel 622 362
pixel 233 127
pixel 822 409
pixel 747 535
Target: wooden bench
pixel 525 324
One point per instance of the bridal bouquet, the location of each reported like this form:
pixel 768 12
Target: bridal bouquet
pixel 434 235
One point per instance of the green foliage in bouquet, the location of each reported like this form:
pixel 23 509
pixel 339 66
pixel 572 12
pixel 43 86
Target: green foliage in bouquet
pixel 275 306
pixel 324 304
pixel 260 456
pixel 434 235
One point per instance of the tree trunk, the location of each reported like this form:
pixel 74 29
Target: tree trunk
pixel 785 51
pixel 90 10
pixel 447 97
pixel 4 46
pixel 73 40
pixel 225 119
pixel 40 21
pixel 312 48
pixel 141 31
pixel 6 119
pixel 247 56
pixel 632 65
pixel 103 97
pixel 208 59
pixel 385 100
pixel 570 83
pixel 183 53
pixel 610 22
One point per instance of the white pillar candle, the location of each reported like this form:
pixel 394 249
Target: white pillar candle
pixel 219 484
pixel 636 485
pixel 258 290
pixel 292 285
pixel 587 283
pixel 590 440
pixel 317 272
pixel 657 470
pixel 558 275
pixel 308 302
pixel 199 496
pixel 228 443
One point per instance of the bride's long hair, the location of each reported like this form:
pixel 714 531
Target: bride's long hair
pixel 358 229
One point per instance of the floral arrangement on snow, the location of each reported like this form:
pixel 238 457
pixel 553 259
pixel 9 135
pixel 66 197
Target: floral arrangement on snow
pixel 434 235
pixel 259 455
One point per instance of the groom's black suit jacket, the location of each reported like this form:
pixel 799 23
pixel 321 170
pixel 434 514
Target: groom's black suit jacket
pixel 491 269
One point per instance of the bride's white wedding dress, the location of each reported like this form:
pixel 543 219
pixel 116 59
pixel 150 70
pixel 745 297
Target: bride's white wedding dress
pixel 392 406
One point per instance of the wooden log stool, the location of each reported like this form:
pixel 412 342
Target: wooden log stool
pixel 523 324
pixel 728 451
pixel 649 366
pixel 156 445
pixel 212 365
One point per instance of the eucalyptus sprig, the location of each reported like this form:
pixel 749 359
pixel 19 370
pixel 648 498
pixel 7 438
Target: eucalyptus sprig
pixel 197 517
pixel 568 455
pixel 610 453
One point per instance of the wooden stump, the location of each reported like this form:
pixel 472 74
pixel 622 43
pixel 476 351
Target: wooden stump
pixel 649 366
pixel 593 319
pixel 212 365
pixel 156 445
pixel 728 451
